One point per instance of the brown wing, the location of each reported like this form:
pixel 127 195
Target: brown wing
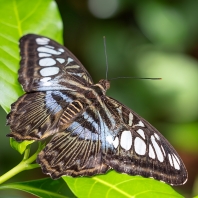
pixel 139 149
pixel 37 115
pixel 75 152
pixel 47 65
pixel 112 136
pixel 78 151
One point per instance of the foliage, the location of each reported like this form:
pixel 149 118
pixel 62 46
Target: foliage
pixel 42 17
pixel 21 18
pixel 42 188
pixel 115 185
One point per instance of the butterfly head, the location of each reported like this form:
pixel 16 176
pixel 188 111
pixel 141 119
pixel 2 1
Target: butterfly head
pixel 105 85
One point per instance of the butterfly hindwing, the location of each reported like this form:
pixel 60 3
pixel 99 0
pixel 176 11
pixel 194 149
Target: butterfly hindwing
pixel 67 155
pixel 79 149
pixel 75 152
pixel 47 65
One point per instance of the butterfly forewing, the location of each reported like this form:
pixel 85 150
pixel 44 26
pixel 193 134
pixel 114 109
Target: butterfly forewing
pixel 38 115
pixel 150 153
pixel 46 65
pixel 92 133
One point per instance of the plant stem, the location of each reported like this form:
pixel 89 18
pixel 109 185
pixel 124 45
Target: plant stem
pixel 25 164
pixel 17 169
pixel 27 152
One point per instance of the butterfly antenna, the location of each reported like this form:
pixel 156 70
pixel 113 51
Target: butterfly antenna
pixel 135 78
pixel 107 67
pixel 105 48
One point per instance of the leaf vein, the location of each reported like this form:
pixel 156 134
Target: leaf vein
pixel 92 188
pixel 9 39
pixel 31 190
pixel 17 18
pixel 32 12
pixel 112 186
pixel 8 24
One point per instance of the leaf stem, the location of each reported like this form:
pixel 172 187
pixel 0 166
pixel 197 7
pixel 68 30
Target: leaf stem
pixel 17 169
pixel 27 152
pixel 25 164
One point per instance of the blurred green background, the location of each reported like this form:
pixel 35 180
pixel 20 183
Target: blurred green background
pixel 147 38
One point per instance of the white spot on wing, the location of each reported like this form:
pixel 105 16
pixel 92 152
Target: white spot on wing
pixel 176 164
pixel 47 50
pixel 69 60
pixel 163 150
pixel 47 62
pixel 170 159
pixel 140 146
pixel 141 132
pixel 49 71
pixel 157 149
pixel 116 142
pixel 157 136
pixel 45 81
pixel 151 152
pixel 42 41
pixel 130 119
pixel 61 49
pixel 60 60
pixel 126 140
pixel 44 55
pixel 49 46
pixel 140 123
pixel 111 141
pixel 177 159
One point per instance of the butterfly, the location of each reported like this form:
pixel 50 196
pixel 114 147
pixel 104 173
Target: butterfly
pixel 91 132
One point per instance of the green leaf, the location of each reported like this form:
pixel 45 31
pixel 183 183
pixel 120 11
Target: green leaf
pixel 20 146
pixel 115 185
pixel 19 18
pixel 42 188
